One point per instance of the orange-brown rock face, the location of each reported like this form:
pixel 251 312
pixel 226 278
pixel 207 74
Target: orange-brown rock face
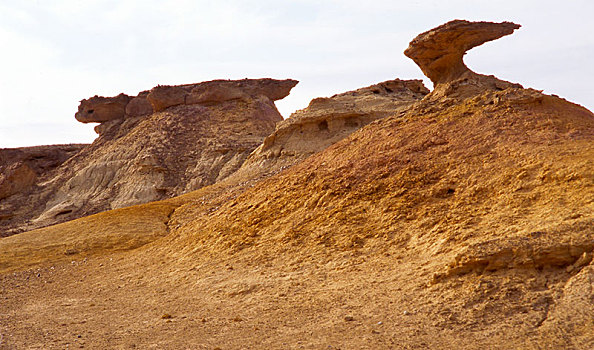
pixel 16 178
pixel 162 97
pixel 139 105
pixel 100 109
pixel 439 51
pixel 142 156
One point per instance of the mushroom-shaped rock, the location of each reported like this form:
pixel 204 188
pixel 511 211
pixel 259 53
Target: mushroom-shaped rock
pixel 439 51
pixel 100 109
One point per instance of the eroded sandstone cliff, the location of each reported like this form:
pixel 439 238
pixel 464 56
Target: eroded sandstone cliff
pixel 466 221
pixel 22 168
pixel 328 120
pixel 161 143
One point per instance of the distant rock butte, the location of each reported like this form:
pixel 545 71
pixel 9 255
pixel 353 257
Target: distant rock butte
pixel 439 53
pixel 162 143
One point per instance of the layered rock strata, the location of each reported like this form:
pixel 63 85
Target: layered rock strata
pixel 161 143
pixel 328 120
pixel 99 109
pixel 22 170
pixel 21 167
pixel 465 222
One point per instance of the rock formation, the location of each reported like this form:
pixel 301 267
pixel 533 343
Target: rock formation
pixel 464 221
pixel 192 136
pixel 98 109
pixel 328 120
pixel 16 178
pixel 439 53
pixel 21 170
pixel 21 167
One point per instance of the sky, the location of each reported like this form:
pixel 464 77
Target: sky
pixel 56 53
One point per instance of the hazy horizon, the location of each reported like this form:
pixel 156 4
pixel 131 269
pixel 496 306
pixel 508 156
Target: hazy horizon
pixel 57 54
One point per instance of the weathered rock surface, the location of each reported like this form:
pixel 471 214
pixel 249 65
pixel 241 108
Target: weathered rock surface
pixel 139 105
pixel 439 53
pixel 16 178
pixel 22 170
pixel 328 120
pixel 465 222
pixel 141 157
pixel 98 109
pixel 162 97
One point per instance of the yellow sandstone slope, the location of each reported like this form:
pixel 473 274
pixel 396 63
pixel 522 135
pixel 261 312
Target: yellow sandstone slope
pixel 466 221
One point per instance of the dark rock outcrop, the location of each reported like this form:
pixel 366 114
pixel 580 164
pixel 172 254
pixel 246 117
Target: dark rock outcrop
pixel 16 178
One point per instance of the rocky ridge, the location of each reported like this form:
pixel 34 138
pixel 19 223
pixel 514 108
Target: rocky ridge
pixel 465 221
pixel 161 143
pixel 328 120
pixel 324 122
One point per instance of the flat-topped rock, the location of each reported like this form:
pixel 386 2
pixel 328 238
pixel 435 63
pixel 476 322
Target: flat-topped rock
pixel 99 109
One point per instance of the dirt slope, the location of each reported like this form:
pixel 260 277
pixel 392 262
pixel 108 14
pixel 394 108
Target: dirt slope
pixel 466 221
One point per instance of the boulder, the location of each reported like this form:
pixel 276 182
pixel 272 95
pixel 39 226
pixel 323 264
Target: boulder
pixel 162 97
pixel 100 109
pixel 139 106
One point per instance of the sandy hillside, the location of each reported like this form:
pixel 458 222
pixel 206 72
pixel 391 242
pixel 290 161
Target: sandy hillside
pixel 465 221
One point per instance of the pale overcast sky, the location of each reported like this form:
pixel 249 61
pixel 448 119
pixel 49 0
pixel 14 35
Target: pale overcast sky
pixel 55 53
